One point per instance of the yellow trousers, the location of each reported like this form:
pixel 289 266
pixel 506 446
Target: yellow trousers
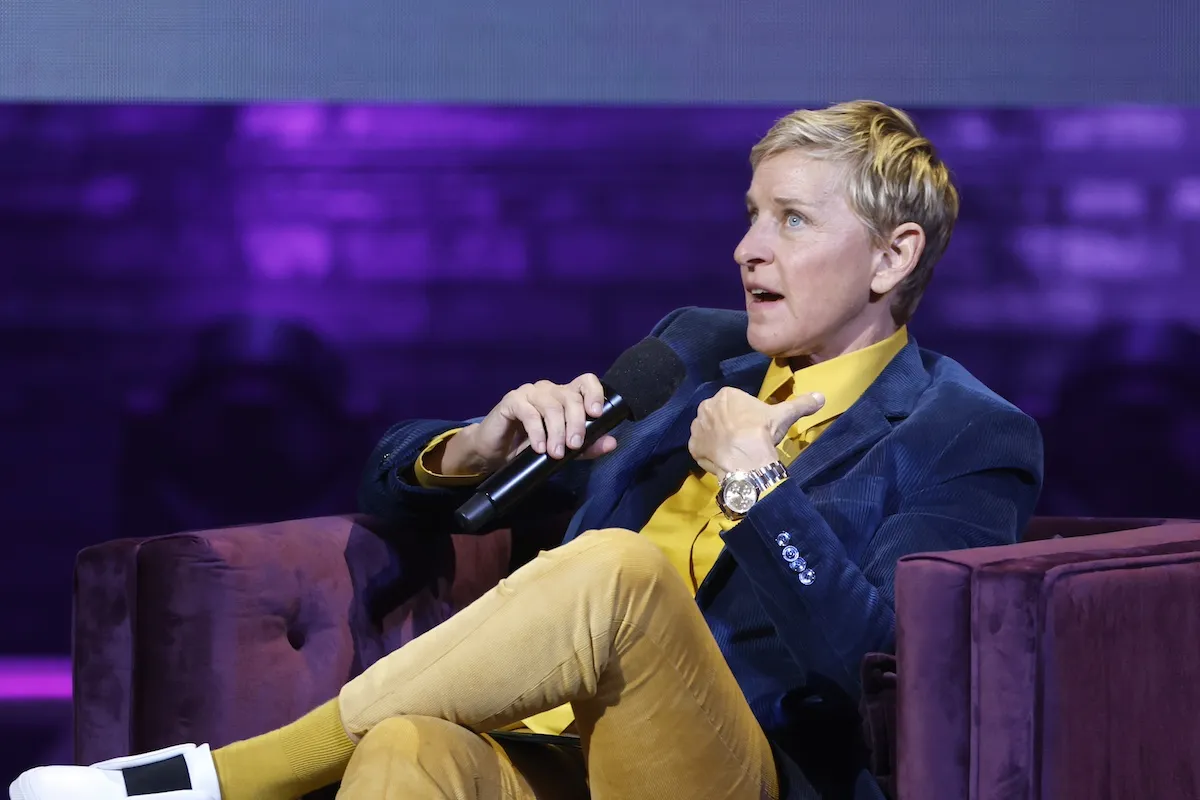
pixel 603 622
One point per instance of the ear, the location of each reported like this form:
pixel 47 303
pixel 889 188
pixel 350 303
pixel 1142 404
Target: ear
pixel 898 257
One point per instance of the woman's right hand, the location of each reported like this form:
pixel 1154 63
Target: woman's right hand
pixel 546 416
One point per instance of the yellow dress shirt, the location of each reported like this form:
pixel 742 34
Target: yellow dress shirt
pixel 688 525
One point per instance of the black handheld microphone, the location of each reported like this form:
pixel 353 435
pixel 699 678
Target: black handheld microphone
pixel 639 382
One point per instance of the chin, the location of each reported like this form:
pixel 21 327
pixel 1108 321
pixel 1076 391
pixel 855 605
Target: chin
pixel 771 342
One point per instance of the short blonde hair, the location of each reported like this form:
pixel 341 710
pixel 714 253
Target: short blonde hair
pixel 894 176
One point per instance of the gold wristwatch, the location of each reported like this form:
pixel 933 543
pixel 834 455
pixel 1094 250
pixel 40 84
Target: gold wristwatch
pixel 741 490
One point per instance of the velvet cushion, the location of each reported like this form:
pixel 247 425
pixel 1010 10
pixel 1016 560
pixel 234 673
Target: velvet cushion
pixel 220 635
pixel 1054 669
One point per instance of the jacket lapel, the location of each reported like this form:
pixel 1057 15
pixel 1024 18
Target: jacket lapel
pixel 891 397
pixel 638 445
pixel 670 462
pixel 626 487
pixel 744 372
pixel 627 490
pixel 862 425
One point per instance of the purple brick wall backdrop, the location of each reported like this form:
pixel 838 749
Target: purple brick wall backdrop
pixel 439 256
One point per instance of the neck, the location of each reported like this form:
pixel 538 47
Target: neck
pixel 846 341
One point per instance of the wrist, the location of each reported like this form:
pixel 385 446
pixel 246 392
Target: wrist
pixel 749 455
pixel 740 491
pixel 458 455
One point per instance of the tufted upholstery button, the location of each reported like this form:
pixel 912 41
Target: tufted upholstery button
pixel 296 637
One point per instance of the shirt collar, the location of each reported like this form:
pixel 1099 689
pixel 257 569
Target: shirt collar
pixel 842 379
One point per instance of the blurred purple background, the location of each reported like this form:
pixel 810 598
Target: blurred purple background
pixel 208 313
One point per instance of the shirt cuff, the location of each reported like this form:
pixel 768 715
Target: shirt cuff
pixel 428 479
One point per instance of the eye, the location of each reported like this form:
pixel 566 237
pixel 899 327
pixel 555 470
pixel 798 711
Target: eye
pixel 751 216
pixel 793 220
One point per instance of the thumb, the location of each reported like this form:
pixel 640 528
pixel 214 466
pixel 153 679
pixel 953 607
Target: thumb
pixel 791 411
pixel 601 447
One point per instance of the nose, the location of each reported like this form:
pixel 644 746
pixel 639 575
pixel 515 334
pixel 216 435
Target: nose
pixel 753 250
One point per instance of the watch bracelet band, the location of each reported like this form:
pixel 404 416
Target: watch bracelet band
pixel 762 478
pixel 766 477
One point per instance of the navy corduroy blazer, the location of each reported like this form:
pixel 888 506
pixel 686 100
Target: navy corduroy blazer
pixel 927 459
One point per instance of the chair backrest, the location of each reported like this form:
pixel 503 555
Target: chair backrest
pixel 1065 527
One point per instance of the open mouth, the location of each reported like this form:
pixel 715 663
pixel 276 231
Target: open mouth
pixel 763 296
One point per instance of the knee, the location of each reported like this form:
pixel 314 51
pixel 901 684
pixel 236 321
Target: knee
pixel 629 554
pixel 408 734
pixel 412 756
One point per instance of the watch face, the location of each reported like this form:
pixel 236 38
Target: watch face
pixel 739 495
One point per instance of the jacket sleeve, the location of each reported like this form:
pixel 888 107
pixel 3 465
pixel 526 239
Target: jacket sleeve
pixel 390 490
pixel 980 491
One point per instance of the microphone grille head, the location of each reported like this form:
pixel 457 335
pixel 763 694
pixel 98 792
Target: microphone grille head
pixel 646 375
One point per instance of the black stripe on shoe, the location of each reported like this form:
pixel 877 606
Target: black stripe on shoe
pixel 170 775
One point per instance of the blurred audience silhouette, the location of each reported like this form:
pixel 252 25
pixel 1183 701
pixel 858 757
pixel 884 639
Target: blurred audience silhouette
pixel 254 428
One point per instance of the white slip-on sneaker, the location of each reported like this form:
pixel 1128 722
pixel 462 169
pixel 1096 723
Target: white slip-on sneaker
pixel 183 772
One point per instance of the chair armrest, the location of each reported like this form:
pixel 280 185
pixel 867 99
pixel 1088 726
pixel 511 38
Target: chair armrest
pixel 215 636
pixel 1062 669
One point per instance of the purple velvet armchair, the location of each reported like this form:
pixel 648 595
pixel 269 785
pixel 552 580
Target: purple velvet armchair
pixel 1054 669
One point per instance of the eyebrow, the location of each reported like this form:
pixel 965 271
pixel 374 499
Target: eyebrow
pixel 783 201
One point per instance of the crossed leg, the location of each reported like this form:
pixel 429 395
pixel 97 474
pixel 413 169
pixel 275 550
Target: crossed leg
pixel 603 622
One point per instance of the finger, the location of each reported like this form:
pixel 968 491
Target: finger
pixel 522 410
pixel 592 393
pixel 703 461
pixel 507 407
pixel 696 450
pixel 601 447
pixel 575 418
pixel 550 406
pixel 788 413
